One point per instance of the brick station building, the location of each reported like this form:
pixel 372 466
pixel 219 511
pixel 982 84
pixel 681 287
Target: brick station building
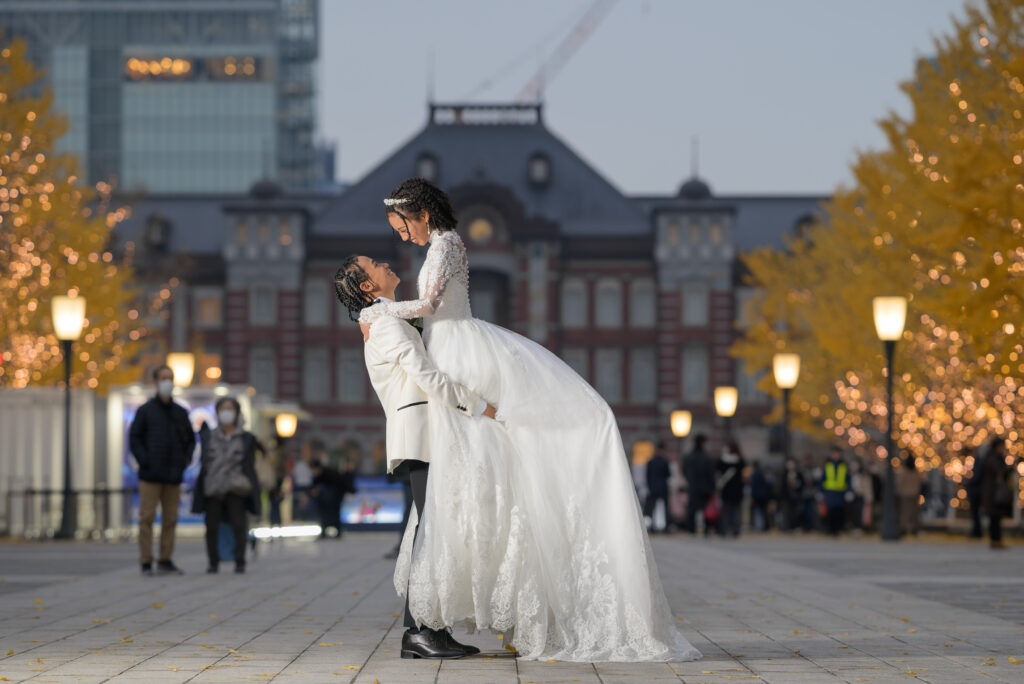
pixel 641 295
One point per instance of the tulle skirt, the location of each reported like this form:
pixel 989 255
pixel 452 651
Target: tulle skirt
pixel 532 526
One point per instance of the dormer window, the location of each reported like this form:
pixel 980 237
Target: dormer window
pixel 539 169
pixel 157 232
pixel 426 167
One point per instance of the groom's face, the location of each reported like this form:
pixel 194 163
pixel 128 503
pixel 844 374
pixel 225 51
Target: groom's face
pixel 382 278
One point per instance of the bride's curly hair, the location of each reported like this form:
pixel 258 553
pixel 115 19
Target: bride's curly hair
pixel 422 195
pixel 347 283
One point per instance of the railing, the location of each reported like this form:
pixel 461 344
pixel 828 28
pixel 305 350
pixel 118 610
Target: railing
pixel 99 513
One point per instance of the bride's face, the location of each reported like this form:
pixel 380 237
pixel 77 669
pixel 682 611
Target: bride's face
pixel 410 228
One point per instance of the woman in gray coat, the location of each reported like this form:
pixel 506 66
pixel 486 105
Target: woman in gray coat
pixel 227 486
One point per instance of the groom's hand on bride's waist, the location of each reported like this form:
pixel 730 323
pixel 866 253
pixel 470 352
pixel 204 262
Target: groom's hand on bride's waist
pixel 490 412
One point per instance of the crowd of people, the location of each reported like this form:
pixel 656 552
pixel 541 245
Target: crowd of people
pixel 701 493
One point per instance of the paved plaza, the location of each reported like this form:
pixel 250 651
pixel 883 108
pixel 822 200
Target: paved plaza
pixel 771 609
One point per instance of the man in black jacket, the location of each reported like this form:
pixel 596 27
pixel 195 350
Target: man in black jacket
pixel 162 441
pixel 699 471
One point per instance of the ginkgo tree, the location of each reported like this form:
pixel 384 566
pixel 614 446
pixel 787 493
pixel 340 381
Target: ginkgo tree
pixel 934 216
pixel 55 238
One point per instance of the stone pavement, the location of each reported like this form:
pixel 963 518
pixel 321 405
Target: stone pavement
pixel 769 609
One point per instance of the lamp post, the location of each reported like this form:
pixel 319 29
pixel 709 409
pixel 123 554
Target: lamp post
pixel 68 318
pixel 726 399
pixel 786 369
pixel 890 316
pixel 183 365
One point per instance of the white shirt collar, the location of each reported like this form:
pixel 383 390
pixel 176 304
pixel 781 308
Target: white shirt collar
pixel 383 299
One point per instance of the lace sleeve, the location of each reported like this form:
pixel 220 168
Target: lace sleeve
pixel 445 257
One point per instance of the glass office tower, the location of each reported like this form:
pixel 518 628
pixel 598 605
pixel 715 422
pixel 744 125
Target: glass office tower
pixel 179 96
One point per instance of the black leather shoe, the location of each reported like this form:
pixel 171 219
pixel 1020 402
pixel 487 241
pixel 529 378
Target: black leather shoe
pixel 465 648
pixel 426 643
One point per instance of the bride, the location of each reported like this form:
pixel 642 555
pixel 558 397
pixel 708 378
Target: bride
pixel 567 567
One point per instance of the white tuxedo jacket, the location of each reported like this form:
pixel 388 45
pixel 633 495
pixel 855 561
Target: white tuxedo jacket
pixel 405 379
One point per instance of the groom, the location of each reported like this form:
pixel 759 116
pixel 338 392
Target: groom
pixel 405 380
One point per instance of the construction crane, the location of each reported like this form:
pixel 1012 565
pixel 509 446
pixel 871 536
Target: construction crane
pixel 578 35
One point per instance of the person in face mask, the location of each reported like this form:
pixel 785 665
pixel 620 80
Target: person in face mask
pixel 162 441
pixel 227 487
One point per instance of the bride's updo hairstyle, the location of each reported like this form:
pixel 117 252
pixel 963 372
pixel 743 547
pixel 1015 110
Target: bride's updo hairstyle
pixel 419 194
pixel 347 283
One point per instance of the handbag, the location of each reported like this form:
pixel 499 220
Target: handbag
pixel 713 509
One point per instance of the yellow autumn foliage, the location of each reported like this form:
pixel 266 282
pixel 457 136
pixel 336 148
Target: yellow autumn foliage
pixel 934 216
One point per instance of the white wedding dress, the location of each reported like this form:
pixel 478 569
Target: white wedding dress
pixel 531 524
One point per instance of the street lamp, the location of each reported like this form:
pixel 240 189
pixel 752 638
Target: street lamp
pixel 890 317
pixel 726 399
pixel 183 365
pixel 786 368
pixel 681 421
pixel 68 318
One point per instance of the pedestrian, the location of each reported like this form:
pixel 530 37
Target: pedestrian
pixel 657 475
pixel 908 493
pixel 162 441
pixel 973 487
pixel 996 489
pixel 227 487
pixel 810 476
pixel 835 488
pixel 760 497
pixel 863 496
pixel 729 481
pixel 792 494
pixel 699 471
pixel 330 487
pixel 302 483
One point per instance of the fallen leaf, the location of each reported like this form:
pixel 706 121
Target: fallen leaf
pixel 38 600
pixel 1015 661
pixel 911 631
pixel 350 667
pixel 324 644
pixel 551 661
pixel 213 617
pixel 355 593
pixel 157 606
pixel 11 652
pixel 231 650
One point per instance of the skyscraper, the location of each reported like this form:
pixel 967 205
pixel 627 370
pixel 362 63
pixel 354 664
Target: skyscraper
pixel 179 96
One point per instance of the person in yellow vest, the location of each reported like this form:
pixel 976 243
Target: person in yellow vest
pixel 835 488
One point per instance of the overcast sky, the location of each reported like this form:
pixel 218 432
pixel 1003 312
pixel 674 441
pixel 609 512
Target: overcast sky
pixel 781 93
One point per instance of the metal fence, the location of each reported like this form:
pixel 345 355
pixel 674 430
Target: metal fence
pixel 99 513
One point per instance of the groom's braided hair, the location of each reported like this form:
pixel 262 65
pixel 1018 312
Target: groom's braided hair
pixel 346 285
pixel 420 194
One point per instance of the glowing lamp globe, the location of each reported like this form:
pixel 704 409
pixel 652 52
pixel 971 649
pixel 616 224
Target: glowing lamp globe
pixel 726 399
pixel 890 317
pixel 786 368
pixel 681 422
pixel 183 365
pixel 68 317
pixel 285 424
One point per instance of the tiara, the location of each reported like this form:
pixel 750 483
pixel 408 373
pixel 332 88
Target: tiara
pixel 389 202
